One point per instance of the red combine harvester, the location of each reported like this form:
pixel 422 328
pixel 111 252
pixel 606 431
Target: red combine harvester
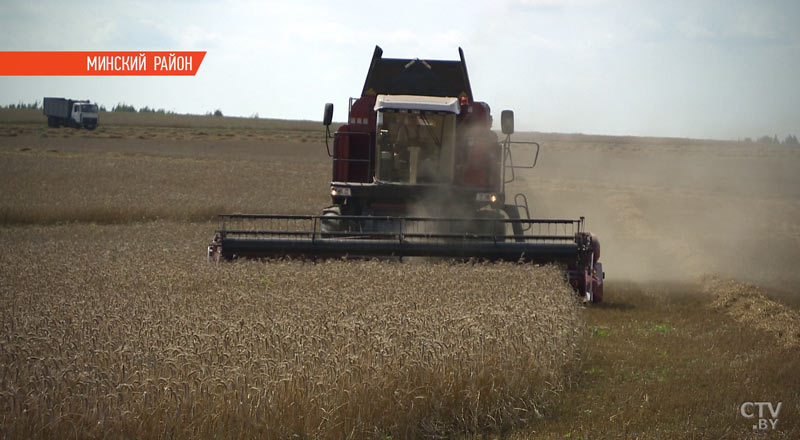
pixel 417 171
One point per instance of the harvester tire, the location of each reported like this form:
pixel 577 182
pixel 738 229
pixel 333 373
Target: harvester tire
pixel 329 223
pixel 597 271
pixel 512 211
pixel 597 293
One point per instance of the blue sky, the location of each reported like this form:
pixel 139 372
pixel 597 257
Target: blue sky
pixel 706 69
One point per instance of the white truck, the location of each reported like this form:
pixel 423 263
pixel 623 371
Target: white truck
pixel 70 113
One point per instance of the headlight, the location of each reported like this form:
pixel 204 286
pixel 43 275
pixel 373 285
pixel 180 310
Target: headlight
pixel 338 191
pixel 486 197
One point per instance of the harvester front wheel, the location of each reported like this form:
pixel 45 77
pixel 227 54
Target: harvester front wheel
pixel 329 223
pixel 597 272
pixel 597 283
pixel 512 211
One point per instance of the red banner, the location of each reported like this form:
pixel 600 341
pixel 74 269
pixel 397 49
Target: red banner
pixel 100 63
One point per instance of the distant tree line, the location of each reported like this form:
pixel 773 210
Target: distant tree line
pixel 788 140
pixel 122 107
pixel 35 105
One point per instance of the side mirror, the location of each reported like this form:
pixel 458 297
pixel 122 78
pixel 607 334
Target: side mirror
pixel 507 122
pixel 326 120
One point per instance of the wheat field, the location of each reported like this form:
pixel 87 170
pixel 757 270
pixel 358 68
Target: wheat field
pixel 116 325
pixel 113 331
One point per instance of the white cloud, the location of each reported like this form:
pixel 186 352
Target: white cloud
pixel 694 28
pixel 756 23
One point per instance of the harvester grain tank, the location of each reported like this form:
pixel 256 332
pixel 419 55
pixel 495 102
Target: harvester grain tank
pixel 417 171
pixel 70 113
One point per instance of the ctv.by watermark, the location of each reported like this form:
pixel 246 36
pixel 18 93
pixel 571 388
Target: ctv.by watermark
pixel 749 410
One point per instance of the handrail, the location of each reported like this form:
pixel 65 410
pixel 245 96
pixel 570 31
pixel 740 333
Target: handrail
pixel 508 159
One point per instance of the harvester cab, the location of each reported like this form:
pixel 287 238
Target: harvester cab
pixel 416 139
pixel 418 171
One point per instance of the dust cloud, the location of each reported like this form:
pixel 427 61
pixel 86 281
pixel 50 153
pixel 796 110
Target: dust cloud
pixel 676 209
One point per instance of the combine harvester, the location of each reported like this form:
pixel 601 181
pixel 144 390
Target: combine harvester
pixel 418 172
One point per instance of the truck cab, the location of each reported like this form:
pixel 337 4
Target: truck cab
pixel 84 114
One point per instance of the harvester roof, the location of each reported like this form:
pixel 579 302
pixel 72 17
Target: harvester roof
pixel 414 102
